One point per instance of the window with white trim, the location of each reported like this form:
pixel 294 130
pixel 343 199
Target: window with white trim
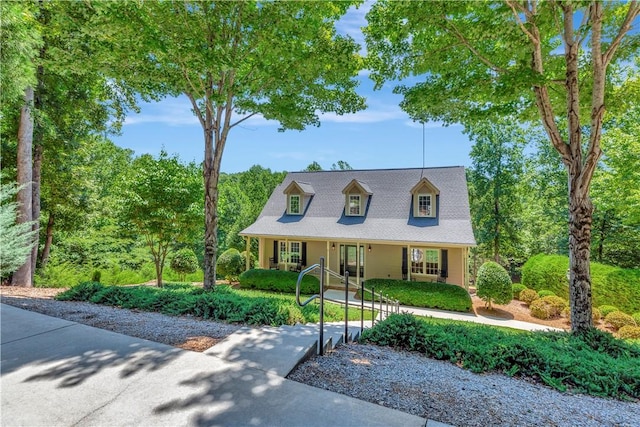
pixel 354 205
pixel 290 253
pixel 424 204
pixel 425 261
pixel 294 204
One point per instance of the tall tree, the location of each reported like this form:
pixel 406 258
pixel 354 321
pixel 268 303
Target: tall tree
pixel 161 199
pixel 550 61
pixel 498 163
pixel 234 60
pixel 20 41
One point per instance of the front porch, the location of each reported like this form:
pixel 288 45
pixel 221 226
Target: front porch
pixel 367 260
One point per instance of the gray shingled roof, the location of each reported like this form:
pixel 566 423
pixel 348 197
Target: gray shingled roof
pixel 388 216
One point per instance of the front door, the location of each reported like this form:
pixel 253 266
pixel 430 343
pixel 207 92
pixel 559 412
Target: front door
pixel 349 260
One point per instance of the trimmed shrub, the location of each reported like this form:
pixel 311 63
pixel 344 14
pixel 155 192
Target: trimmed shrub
pixel 442 296
pixel 548 307
pixel 516 288
pixel 629 332
pixel 606 309
pixel 618 319
pixel 184 262
pixel 540 310
pixel 230 264
pixel 494 284
pixel 528 296
pixel 546 293
pixel 609 285
pixel 278 281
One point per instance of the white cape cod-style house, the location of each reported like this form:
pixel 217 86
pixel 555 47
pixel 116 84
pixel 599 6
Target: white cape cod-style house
pixel 411 224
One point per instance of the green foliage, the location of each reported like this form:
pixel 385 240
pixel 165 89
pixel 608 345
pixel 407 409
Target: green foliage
pixel 545 293
pixel 629 332
pixel 61 276
pixel 548 307
pixel 241 199
pixel 636 317
pixel 495 180
pixel 516 288
pixel 21 39
pixel 278 281
pixel 618 319
pixel 528 296
pixel 161 199
pixel 225 304
pixel 230 264
pixel 494 284
pixel 16 240
pixel 184 262
pixel 81 292
pixel 593 363
pixel 252 260
pixel 422 294
pixel 609 285
pixel 606 309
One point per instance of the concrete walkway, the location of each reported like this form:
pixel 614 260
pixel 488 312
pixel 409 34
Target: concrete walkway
pixel 441 314
pixel 60 373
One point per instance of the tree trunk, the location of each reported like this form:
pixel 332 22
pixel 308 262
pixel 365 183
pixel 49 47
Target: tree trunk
pixel 35 197
pixel 159 266
pixel 48 241
pixel 23 276
pixel 210 211
pixel 496 235
pixel 580 218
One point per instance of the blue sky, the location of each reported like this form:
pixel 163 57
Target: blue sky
pixel 382 136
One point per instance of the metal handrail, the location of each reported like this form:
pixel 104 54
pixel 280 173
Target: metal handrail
pixel 395 304
pixel 300 276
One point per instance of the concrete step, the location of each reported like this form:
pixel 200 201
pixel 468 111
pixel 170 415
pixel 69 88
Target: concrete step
pixel 279 350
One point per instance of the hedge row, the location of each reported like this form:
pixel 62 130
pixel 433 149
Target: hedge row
pixel 278 281
pixel 422 294
pixel 223 304
pixel 610 285
pixel 595 363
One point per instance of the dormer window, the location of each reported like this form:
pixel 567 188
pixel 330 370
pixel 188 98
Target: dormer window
pixel 354 205
pixel 299 196
pixel 424 199
pixel 424 204
pixel 294 204
pixel 357 194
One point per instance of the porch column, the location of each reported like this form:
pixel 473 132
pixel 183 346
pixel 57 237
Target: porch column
pixel 248 252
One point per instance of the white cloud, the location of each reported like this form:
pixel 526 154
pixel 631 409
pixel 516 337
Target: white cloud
pixel 367 116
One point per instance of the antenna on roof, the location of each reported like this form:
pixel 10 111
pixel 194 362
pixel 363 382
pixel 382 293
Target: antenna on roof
pixel 423 149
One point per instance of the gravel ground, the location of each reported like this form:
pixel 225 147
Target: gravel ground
pixel 404 381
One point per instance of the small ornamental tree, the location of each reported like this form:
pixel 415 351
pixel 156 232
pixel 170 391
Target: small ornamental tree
pixel 494 284
pixel 184 262
pixel 230 264
pixel 16 239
